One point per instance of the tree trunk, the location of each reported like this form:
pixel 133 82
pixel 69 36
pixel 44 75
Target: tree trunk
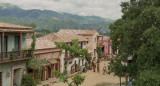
pixel 126 80
pixel 120 81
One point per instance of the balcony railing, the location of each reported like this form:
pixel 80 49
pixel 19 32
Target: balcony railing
pixel 15 55
pixel 11 55
pixel 26 53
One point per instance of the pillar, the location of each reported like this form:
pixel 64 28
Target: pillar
pixel 2 46
pixel 20 50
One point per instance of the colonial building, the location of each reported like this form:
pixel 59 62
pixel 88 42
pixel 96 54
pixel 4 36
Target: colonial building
pixel 92 36
pixel 46 49
pixel 13 54
pixel 107 46
pixel 67 62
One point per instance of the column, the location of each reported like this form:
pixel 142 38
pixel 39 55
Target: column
pixel 20 50
pixel 2 46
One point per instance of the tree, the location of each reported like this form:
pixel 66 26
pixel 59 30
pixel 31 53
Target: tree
pixel 99 52
pixel 32 25
pixel 138 31
pixel 76 51
pixel 76 80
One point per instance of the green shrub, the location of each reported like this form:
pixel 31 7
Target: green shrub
pixel 28 80
pixel 13 56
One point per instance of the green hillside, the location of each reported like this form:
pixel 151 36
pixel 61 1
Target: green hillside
pixel 48 21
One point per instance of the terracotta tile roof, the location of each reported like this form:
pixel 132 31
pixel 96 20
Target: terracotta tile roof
pixel 12 26
pixel 63 37
pixel 41 44
pixel 87 32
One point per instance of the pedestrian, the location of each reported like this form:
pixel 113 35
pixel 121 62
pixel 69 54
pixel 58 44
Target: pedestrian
pixel 76 68
pixel 98 67
pixel 104 69
pixel 84 68
pixel 94 67
pixel 130 82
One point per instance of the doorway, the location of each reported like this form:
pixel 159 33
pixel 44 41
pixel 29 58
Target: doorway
pixel 49 72
pixel 17 77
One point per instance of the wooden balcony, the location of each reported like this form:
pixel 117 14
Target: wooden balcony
pixel 15 56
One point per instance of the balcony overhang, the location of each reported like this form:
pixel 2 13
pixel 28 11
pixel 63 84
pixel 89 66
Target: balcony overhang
pixel 19 59
pixel 16 31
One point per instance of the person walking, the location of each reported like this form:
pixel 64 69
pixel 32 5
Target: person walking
pixel 104 69
pixel 84 68
pixel 98 65
pixel 94 67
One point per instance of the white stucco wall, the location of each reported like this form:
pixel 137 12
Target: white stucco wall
pixel 6 69
pixel 94 43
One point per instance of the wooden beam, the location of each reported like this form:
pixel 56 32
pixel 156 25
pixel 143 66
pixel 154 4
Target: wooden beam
pixel 2 46
pixel 20 53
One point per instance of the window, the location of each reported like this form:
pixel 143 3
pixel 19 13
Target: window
pixel 17 43
pixel 81 45
pixel 94 39
pixel 87 40
pixel 5 43
pixel 0 78
pixel 5 46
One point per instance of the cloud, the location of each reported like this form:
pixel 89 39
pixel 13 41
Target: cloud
pixel 104 8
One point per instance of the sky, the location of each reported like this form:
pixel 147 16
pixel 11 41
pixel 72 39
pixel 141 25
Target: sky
pixel 103 8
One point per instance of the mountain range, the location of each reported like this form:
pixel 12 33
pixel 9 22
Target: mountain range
pixel 48 21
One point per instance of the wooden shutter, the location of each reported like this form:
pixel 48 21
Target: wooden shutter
pixel 0 78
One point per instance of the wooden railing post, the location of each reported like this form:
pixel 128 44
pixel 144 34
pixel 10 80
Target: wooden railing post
pixel 20 53
pixel 2 46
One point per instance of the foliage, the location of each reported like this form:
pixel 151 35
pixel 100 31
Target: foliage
pixel 88 57
pixel 75 50
pixel 138 31
pixel 99 52
pixel 13 55
pixel 31 25
pixel 148 78
pixel 36 64
pixel 76 80
pixel 117 67
pixel 33 44
pixel 28 80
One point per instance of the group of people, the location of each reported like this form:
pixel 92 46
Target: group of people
pixel 94 62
